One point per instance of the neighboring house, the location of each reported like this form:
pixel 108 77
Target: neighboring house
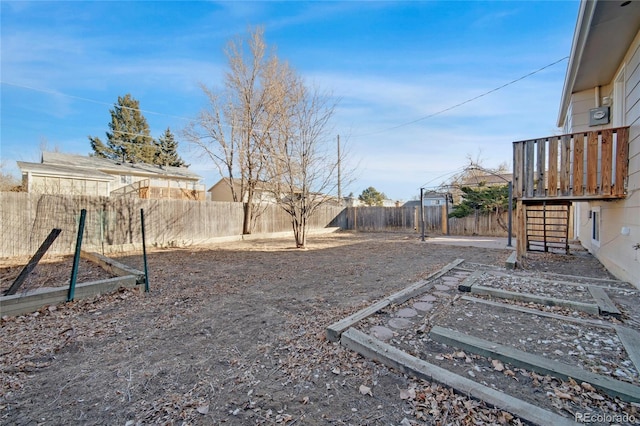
pixel 429 198
pixel 479 178
pixel 390 203
pixel 356 202
pixel 433 198
pixel 70 174
pixel 264 193
pixel 350 201
pixel 594 167
pixel 221 191
pixel 474 178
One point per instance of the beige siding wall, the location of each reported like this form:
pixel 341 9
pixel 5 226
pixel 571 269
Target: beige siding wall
pixel 67 186
pixel 581 103
pixel 117 183
pixel 619 221
pixel 632 116
pixel 221 192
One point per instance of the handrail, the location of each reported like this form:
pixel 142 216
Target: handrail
pixel 581 165
pixel 138 186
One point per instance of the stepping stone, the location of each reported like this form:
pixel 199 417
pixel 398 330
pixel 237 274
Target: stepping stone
pixel 423 306
pixel 400 323
pixel 441 287
pixel 406 313
pixel 428 298
pixel 442 293
pixel 381 333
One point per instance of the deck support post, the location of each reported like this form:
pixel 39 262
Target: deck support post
pixel 521 241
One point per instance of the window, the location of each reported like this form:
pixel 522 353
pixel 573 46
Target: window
pixel 595 226
pixel 125 179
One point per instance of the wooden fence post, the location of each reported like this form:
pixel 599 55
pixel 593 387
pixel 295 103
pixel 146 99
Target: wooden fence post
pixel 445 218
pixel 521 232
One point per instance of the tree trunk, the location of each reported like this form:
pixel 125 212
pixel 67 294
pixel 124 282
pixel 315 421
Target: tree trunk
pixel 246 223
pixel 299 232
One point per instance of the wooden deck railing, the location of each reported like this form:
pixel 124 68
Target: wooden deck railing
pixel 578 166
pixel 162 189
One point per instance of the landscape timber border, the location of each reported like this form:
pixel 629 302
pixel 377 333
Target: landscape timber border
pixel 541 365
pixel 372 348
pixel 629 338
pixel 375 349
pixel 523 309
pixel 127 277
pixel 512 261
pixel 18 304
pixel 390 356
pixel 602 305
pixel 590 308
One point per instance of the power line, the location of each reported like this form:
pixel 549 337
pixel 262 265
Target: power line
pixel 57 93
pixel 114 104
pixel 66 95
pixel 458 170
pixel 464 102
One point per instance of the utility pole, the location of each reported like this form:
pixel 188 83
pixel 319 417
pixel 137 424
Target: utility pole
pixel 339 183
pixel 422 211
pixel 510 226
pixel 446 203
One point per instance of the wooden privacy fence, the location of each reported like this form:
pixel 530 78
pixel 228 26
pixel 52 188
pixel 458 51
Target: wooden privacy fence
pixel 486 225
pixel 114 223
pixel 387 218
pixel 407 219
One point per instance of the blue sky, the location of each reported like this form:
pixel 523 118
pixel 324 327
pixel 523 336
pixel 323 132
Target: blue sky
pixel 64 64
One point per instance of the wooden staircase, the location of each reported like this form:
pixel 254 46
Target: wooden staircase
pixel 547 226
pixel 576 167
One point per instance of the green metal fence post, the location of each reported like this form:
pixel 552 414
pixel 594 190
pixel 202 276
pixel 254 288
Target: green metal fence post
pixel 144 254
pixel 76 257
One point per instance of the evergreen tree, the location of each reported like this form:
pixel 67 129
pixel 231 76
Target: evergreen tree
pixel 372 197
pixel 167 151
pixel 485 199
pixel 129 138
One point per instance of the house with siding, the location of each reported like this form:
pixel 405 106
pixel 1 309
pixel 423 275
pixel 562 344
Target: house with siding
pixel 222 191
pixel 69 174
pixel 593 168
pixel 264 192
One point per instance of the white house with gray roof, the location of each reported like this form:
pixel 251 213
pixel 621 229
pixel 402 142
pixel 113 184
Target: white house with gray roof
pixel 71 174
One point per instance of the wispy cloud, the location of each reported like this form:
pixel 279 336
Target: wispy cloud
pixel 389 63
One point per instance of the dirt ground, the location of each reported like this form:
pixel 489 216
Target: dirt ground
pixel 235 334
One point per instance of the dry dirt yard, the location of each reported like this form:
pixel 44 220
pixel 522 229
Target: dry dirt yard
pixel 235 333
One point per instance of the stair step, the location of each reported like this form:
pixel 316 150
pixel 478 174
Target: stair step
pixel 547 227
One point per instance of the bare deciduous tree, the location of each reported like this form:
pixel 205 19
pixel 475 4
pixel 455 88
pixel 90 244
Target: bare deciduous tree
pixel 235 128
pixel 268 132
pixel 7 181
pixel 304 159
